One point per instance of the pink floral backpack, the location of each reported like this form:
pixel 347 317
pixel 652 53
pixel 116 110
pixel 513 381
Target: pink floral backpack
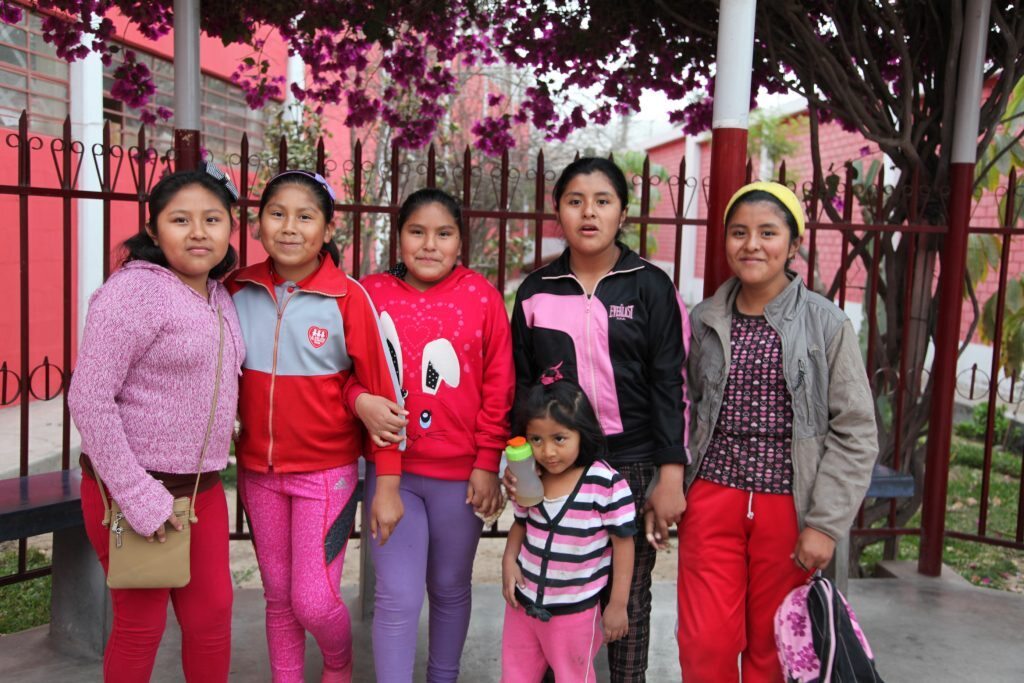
pixel 819 639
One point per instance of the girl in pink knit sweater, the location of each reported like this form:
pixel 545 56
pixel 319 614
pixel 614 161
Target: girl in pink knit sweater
pixel 141 398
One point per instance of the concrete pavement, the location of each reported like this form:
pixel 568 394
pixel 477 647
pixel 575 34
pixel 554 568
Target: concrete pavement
pixel 922 629
pixel 44 432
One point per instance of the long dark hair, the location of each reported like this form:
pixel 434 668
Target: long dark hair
pixel 564 402
pixel 140 247
pixel 309 181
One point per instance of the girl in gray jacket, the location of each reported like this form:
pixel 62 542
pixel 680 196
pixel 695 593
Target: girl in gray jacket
pixel 783 442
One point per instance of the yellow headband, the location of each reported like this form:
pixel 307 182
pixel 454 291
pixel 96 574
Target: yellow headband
pixel 780 192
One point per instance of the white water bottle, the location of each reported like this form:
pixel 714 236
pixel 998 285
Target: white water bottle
pixel 529 489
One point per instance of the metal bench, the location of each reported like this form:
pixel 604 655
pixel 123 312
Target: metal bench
pixel 886 483
pixel 80 613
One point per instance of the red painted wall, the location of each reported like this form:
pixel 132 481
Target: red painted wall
pixel 45 216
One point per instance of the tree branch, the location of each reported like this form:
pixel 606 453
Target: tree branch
pixel 684 21
pixel 981 173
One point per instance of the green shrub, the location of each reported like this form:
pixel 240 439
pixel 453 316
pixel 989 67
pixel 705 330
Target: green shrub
pixel 975 427
pixel 972 454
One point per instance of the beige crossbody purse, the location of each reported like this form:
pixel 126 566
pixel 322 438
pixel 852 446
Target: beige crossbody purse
pixel 134 562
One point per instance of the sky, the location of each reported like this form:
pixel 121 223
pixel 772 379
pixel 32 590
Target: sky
pixel 651 122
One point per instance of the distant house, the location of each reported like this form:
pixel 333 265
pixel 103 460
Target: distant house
pixel 837 147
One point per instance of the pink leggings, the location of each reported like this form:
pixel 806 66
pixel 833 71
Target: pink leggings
pixel 300 525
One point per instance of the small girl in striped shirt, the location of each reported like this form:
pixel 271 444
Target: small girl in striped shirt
pixel 562 553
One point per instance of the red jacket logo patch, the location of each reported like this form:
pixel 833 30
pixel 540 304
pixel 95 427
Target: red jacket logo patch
pixel 317 336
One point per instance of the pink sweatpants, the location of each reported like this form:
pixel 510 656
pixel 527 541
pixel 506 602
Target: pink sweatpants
pixel 567 643
pixel 300 525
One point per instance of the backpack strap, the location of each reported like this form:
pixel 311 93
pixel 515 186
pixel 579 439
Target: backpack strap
pixel 829 663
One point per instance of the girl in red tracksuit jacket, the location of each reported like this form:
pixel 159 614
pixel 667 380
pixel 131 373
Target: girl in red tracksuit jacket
pixel 308 327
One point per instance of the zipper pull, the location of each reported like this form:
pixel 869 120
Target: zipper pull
pixel 799 374
pixel 117 529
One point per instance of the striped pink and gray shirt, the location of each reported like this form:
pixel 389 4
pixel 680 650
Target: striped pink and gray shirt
pixel 566 558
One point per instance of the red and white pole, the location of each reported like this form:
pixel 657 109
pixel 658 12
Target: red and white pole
pixel 954 261
pixel 733 68
pixel 187 85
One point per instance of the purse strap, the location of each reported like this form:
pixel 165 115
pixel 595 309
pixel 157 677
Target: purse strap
pixel 192 518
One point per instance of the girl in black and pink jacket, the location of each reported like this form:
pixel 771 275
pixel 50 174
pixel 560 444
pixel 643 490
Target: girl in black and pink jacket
pixel 613 323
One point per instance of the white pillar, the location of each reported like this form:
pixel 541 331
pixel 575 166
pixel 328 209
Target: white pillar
pixel 296 75
pixel 86 91
pixel 691 289
pixel 187 77
pixel 968 91
pixel 733 64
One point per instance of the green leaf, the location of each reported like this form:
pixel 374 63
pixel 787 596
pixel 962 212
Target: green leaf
pixel 982 254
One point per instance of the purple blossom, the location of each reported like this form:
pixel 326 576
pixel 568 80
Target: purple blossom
pixel 492 135
pixel 10 13
pixel 362 109
pixel 397 63
pixel 133 82
pixel 413 52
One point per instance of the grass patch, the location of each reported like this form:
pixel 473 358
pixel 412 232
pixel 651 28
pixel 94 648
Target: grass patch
pixel 980 563
pixel 26 604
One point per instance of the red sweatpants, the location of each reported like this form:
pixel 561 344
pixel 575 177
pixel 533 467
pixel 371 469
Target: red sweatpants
pixel 734 571
pixel 203 607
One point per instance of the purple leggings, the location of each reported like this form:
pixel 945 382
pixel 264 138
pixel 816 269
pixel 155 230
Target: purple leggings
pixel 300 525
pixel 431 552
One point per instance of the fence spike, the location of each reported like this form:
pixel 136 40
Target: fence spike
pixel 431 166
pixel 1009 218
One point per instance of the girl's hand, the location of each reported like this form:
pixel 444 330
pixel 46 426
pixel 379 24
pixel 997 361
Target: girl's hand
pixel 615 621
pixel 813 550
pixel 383 418
pixel 160 535
pixel 511 576
pixel 509 480
pixel 483 492
pixel 386 510
pixel 667 503
pixel 657 539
